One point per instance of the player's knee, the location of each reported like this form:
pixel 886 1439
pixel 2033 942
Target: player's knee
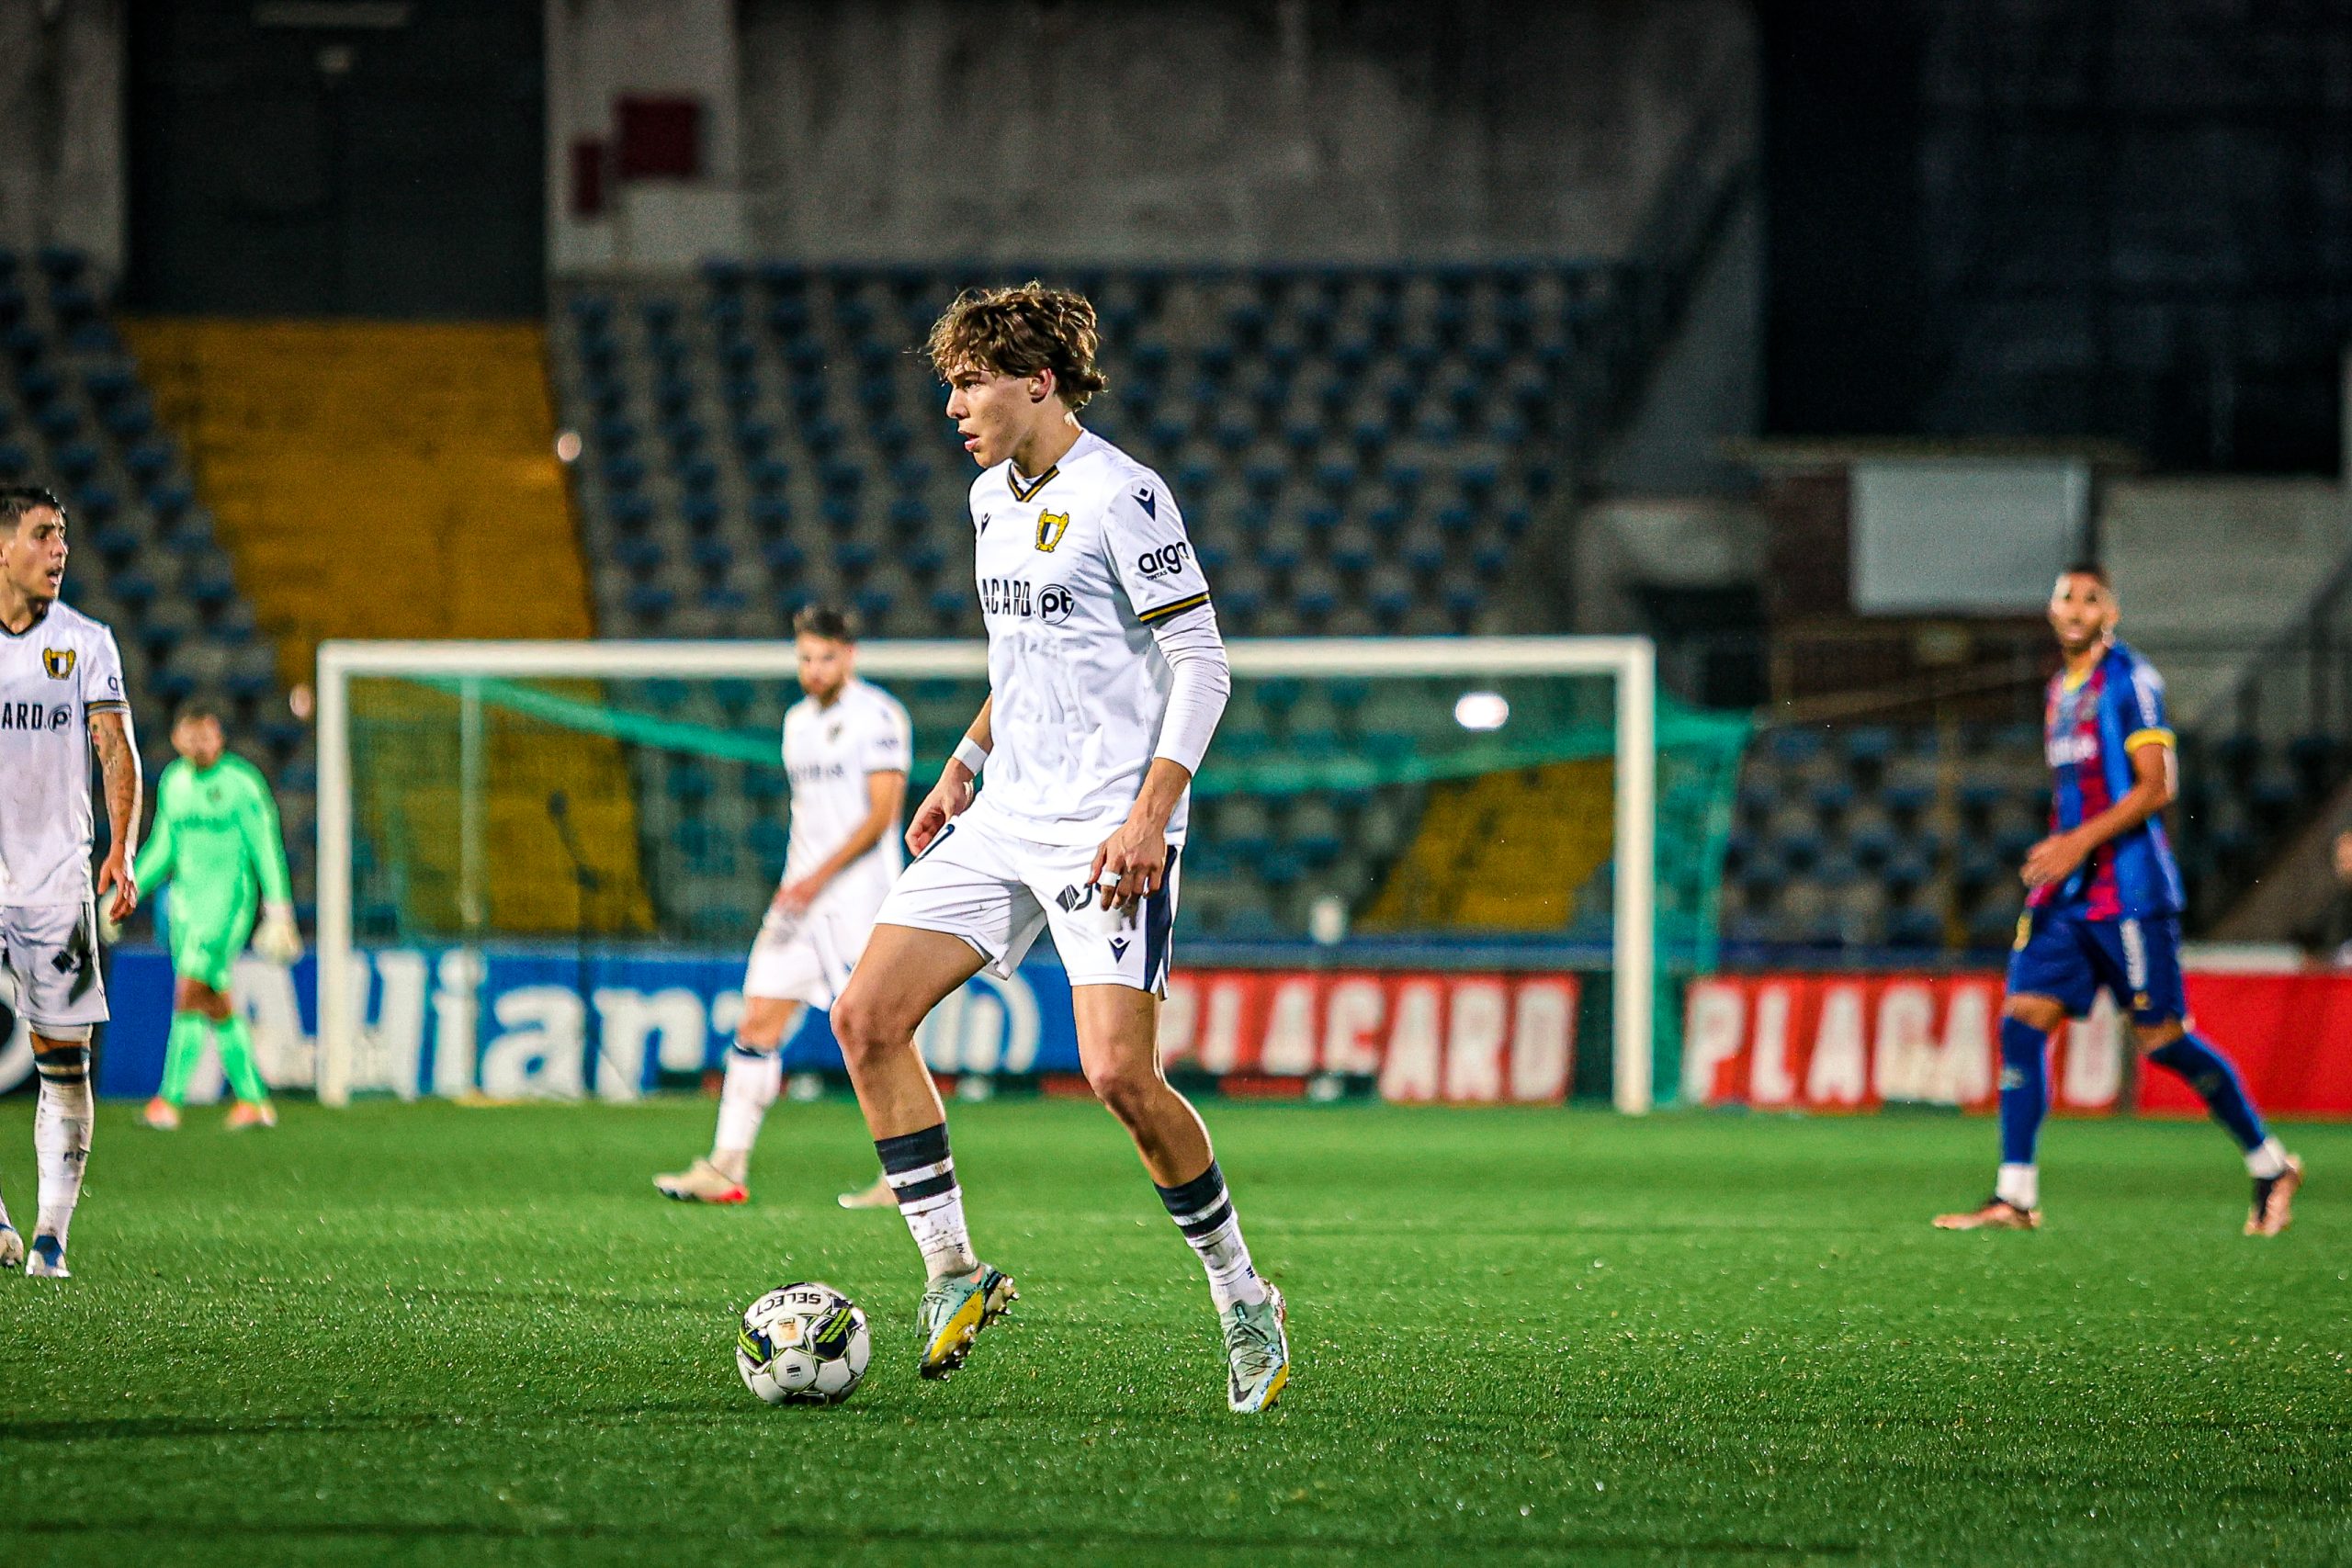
pixel 2152 1037
pixel 62 1061
pixel 1127 1089
pixel 2044 1013
pixel 866 1030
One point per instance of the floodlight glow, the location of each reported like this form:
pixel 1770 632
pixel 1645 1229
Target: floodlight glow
pixel 567 446
pixel 1482 710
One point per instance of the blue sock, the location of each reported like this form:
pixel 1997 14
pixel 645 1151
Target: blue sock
pixel 2208 1072
pixel 2024 1089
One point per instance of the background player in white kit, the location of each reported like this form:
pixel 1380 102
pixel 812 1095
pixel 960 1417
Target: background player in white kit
pixel 60 680
pixel 1106 677
pixel 846 746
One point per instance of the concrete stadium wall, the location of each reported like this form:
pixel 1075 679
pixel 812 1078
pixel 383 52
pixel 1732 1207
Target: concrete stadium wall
pixel 1300 130
pixel 1191 130
pixel 62 179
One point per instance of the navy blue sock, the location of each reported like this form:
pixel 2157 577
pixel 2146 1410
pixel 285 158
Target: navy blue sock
pixel 2024 1089
pixel 2208 1072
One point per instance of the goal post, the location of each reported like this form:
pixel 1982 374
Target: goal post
pixel 460 693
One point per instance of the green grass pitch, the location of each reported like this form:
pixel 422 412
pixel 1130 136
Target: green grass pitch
pixel 431 1334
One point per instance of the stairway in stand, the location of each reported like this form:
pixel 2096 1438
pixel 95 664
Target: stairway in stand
pixel 399 480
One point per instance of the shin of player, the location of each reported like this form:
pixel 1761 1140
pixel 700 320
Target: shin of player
pixel 846 746
pixel 1106 678
pixel 2103 911
pixel 60 670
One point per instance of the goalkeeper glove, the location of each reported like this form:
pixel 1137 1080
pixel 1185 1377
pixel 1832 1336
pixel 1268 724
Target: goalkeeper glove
pixel 278 940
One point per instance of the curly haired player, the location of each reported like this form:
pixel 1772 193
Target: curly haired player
pixel 1106 678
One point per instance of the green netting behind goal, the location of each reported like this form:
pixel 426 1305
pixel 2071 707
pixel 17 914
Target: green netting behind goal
pixel 1423 818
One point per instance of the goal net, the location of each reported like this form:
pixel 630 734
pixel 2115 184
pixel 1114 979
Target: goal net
pixel 1445 868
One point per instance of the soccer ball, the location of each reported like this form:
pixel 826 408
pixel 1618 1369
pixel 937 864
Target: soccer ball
pixel 805 1344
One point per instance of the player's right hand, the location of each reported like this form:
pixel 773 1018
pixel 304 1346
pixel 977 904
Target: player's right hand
pixel 945 801
pixel 114 872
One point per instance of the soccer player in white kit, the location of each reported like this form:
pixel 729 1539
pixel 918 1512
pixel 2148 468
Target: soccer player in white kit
pixel 1106 677
pixel 60 680
pixel 846 746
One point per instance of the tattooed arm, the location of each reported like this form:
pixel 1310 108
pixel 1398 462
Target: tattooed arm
pixel 118 766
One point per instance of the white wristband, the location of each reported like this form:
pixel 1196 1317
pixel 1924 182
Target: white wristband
pixel 972 754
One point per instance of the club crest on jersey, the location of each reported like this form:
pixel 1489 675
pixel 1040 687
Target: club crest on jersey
pixel 58 661
pixel 1051 526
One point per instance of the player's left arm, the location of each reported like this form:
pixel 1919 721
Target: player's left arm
pixel 119 770
pixel 2154 779
pixel 1156 566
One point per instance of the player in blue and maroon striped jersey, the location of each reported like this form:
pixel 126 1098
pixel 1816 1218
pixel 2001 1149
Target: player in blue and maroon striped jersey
pixel 2104 910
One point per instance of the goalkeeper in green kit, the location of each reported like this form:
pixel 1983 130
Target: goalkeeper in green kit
pixel 216 841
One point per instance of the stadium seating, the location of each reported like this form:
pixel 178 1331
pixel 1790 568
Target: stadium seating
pixel 1909 838
pixel 1357 451
pixel 76 414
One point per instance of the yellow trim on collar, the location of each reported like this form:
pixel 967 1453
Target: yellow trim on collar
pixel 1013 479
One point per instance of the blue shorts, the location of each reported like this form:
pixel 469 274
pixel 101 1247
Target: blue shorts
pixel 2061 954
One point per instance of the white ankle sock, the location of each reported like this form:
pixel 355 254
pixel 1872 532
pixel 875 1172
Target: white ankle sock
pixel 937 1225
pixel 2266 1160
pixel 2019 1184
pixel 61 1146
pixel 1226 1256
pixel 1203 1211
pixel 753 1079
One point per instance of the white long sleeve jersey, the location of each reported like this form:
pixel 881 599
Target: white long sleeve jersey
pixel 1077 567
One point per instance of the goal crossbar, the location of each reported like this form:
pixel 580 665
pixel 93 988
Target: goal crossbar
pixel 1630 662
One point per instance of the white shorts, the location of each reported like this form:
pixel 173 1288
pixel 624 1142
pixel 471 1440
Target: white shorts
pixel 807 960
pixel 995 890
pixel 53 948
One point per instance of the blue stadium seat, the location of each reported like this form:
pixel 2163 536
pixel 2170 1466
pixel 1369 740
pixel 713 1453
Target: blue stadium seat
pixel 1830 796
pixel 1912 928
pixel 771 515
pixel 128 419
pixel 76 460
